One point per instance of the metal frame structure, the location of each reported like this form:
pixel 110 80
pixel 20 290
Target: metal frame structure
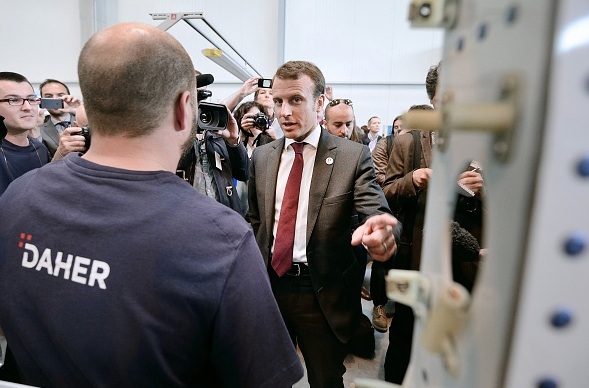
pixel 216 55
pixel 515 91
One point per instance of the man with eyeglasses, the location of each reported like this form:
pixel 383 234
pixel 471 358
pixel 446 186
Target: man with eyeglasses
pixel 18 107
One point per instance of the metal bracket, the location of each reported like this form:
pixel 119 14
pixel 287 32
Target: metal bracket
pixel 433 13
pixel 498 117
pixel 172 18
pixel 410 288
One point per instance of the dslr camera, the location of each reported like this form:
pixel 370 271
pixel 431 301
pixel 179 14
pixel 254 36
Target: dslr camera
pixel 261 121
pixel 212 117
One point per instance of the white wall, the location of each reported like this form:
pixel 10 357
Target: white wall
pixel 365 48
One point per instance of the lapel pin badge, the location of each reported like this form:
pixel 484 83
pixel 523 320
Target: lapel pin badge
pixel 329 160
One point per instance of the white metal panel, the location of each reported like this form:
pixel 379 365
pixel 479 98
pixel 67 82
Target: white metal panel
pixel 545 349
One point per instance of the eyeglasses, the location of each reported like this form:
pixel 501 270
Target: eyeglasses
pixel 21 101
pixel 336 101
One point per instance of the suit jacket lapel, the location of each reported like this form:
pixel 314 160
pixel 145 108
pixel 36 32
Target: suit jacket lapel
pixel 272 163
pixel 51 131
pixel 321 176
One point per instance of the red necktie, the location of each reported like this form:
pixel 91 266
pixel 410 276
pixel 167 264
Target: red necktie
pixel 284 243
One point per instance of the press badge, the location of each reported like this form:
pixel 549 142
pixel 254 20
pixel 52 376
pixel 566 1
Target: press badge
pixel 218 161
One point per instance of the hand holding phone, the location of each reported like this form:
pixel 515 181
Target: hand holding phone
pixel 265 83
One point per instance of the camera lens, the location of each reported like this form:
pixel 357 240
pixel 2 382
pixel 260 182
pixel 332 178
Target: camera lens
pixel 206 117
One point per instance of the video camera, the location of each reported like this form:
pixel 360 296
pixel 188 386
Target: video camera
pixel 211 117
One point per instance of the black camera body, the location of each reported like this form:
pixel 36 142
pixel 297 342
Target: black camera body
pixel 203 94
pixel 261 121
pixel 85 131
pixel 212 117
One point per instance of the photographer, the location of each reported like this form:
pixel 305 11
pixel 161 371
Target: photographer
pixel 217 156
pixel 255 130
pixel 59 119
pixel 72 139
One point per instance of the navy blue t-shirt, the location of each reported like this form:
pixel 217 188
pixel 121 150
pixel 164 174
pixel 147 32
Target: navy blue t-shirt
pixel 113 277
pixel 15 160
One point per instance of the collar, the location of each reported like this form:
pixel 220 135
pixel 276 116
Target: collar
pixel 69 118
pixel 372 137
pixel 312 138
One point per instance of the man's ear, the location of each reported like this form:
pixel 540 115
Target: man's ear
pixel 320 102
pixel 183 112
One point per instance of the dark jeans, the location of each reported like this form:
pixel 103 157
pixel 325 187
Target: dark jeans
pixel 323 352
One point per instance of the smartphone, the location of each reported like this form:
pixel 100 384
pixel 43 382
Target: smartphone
pixel 265 83
pixel 52 103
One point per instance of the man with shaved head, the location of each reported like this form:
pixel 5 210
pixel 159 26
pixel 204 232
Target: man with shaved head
pixel 118 273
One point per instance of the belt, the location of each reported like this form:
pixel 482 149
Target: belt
pixel 298 269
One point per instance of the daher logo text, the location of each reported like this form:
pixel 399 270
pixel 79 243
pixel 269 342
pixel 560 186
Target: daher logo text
pixel 68 266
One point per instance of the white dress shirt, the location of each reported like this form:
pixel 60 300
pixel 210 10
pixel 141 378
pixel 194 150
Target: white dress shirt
pixel 299 254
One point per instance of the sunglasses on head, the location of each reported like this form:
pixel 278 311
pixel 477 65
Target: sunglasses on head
pixel 336 101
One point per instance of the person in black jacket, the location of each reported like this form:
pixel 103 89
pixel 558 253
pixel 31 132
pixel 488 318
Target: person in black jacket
pixel 214 161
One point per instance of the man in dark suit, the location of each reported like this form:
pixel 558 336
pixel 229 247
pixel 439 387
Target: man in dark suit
pixel 59 119
pixel 306 245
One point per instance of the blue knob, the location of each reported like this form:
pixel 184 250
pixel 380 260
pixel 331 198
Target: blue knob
pixel 575 244
pixel 561 318
pixel 583 167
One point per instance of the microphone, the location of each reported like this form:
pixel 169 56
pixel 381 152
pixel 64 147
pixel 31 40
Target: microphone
pixel 464 246
pixel 204 80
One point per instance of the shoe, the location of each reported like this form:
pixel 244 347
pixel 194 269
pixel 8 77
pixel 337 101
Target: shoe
pixel 365 294
pixel 379 319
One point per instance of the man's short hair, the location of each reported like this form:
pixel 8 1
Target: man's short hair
pixel 294 70
pixel 130 87
pixel 373 117
pixel 431 80
pixel 420 107
pixel 52 81
pixel 14 77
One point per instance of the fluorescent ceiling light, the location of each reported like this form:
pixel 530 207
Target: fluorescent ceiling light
pixel 227 63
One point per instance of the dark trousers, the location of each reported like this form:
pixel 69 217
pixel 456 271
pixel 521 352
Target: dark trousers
pixel 378 290
pixel 400 342
pixel 323 352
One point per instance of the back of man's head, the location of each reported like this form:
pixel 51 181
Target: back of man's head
pixel 131 75
pixel 421 107
pixel 431 80
pixel 296 69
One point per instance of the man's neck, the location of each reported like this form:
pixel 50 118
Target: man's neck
pixel 19 139
pixel 131 154
pixel 373 135
pixel 61 117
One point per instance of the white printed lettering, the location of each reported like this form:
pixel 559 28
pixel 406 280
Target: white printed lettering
pixel 66 266
pixel 25 257
pixel 45 262
pixel 99 271
pixel 78 266
pixel 80 270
